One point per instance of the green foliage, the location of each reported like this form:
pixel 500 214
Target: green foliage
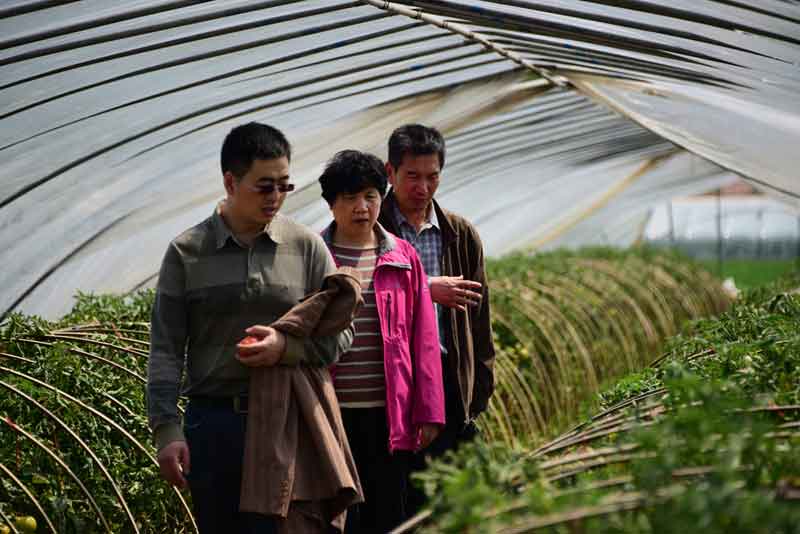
pixel 704 439
pixel 91 308
pixel 463 487
pixel 630 386
pixel 567 322
pixel 101 365
pixel 756 344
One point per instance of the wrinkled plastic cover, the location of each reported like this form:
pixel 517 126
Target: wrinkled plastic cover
pixel 112 114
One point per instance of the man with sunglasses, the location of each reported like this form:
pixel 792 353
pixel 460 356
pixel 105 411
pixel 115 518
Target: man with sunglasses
pixel 241 268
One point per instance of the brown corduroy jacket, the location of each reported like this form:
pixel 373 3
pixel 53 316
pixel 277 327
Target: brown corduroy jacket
pixel 468 335
pixel 297 461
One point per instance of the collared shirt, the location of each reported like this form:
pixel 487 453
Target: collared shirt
pixel 210 289
pixel 428 244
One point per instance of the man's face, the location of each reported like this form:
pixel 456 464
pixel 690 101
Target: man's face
pixel 415 181
pixel 356 213
pixel 255 199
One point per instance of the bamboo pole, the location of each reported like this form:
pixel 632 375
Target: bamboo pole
pixel 462 30
pixel 21 485
pixel 82 444
pixel 77 338
pixel 108 420
pixel 81 352
pixel 56 458
pixel 7 521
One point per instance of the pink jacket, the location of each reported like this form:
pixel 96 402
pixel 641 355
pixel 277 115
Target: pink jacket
pixel 411 352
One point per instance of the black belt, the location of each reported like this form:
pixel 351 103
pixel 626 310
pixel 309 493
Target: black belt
pixel 235 404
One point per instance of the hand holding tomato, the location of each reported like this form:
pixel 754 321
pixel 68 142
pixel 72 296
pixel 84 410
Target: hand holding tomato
pixel 264 346
pixel 249 340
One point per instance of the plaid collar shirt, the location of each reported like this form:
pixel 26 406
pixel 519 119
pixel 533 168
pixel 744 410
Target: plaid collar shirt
pixel 428 244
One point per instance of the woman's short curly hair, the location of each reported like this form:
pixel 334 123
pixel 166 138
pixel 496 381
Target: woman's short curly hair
pixel 351 171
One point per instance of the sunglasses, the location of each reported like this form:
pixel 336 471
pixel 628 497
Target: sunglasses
pixel 267 189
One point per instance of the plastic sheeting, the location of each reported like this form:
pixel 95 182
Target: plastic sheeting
pixel 721 79
pixel 727 227
pixel 112 113
pixel 756 138
pixel 525 153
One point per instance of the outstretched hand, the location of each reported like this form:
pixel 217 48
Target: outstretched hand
pixel 455 292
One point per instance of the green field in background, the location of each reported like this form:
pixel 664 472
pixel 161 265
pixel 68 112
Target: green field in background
pixel 751 273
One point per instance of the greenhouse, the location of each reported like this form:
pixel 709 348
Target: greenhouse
pixel 631 387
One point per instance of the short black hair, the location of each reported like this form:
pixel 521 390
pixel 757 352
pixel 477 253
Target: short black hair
pixel 249 142
pixel 351 171
pixel 415 139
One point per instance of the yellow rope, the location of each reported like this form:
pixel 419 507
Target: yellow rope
pixel 601 202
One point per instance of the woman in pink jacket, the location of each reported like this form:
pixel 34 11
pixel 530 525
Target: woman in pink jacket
pixel 389 384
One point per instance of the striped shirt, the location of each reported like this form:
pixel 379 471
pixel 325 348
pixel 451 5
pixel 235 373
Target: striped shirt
pixel 360 381
pixel 210 289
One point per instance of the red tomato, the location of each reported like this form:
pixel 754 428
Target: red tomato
pixel 249 340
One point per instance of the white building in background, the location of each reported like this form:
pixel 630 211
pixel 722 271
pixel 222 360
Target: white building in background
pixel 729 226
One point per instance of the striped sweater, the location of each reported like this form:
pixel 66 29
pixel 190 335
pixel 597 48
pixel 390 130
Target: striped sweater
pixel 360 380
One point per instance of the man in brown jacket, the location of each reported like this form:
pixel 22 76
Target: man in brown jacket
pixel 452 254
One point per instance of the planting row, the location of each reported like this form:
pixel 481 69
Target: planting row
pixel 75 453
pixel 704 438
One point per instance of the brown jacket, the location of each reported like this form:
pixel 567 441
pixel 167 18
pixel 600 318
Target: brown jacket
pixel 468 336
pixel 297 461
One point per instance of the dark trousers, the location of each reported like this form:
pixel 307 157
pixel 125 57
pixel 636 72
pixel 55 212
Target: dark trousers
pixel 384 476
pixel 215 436
pixel 455 432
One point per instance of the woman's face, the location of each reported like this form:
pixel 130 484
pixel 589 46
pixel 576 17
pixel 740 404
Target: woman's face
pixel 356 213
